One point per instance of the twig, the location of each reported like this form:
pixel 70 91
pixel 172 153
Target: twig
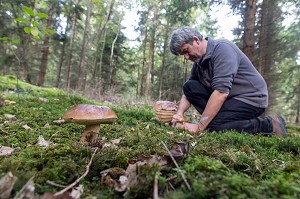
pixel 76 181
pixel 155 189
pixel 170 185
pixel 55 184
pixel 171 178
pixel 180 171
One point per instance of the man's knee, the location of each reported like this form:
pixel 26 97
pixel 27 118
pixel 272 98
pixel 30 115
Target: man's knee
pixel 190 86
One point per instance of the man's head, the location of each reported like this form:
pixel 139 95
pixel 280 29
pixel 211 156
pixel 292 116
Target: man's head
pixel 188 42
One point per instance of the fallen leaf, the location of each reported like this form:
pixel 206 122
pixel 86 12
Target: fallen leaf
pixel 42 99
pixel 42 141
pixel 114 177
pixel 189 136
pixel 6 185
pixel 179 149
pixel 116 141
pixel 193 144
pixel 9 102
pixel 10 116
pixel 76 192
pixel 26 127
pixel 170 133
pixel 5 151
pixel 122 184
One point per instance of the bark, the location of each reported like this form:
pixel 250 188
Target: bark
pixel 163 65
pixel 45 51
pixel 268 46
pixel 69 56
pixel 149 75
pixel 249 29
pixel 111 64
pixel 102 40
pixel 81 67
pixel 61 60
pixel 142 71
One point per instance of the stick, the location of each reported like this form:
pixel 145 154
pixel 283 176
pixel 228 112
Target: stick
pixel 55 184
pixel 171 178
pixel 155 189
pixel 76 181
pixel 180 171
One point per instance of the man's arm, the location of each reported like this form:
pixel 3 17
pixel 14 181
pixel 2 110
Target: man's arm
pixel 213 106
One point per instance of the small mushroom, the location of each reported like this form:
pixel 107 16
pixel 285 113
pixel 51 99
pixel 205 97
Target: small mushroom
pixel 91 116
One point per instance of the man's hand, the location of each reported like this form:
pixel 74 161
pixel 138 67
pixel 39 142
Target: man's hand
pixel 194 128
pixel 178 118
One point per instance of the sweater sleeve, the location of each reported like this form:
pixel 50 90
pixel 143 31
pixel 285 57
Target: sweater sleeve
pixel 225 63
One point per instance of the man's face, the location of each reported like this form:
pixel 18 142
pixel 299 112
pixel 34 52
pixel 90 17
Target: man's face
pixel 193 51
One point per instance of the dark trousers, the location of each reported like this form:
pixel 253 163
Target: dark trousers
pixel 233 115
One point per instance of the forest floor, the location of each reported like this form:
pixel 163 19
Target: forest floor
pixel 40 154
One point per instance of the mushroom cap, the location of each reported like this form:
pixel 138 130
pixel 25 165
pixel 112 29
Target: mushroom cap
pixel 89 114
pixel 165 105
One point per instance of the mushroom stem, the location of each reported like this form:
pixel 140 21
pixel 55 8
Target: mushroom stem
pixel 90 133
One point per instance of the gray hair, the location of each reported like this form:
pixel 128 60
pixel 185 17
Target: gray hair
pixel 182 35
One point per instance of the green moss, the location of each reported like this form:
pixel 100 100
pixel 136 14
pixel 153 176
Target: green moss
pixel 219 165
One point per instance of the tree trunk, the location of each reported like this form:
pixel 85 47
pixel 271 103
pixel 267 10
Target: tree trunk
pixel 148 85
pixel 144 62
pixel 45 51
pixel 162 69
pixel 268 47
pixel 69 56
pixel 111 64
pixel 102 40
pixel 249 29
pixel 149 75
pixel 81 67
pixel 61 60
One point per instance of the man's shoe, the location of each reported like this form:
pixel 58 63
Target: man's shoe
pixel 279 126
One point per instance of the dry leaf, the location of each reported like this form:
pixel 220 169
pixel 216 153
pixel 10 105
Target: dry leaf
pixel 179 149
pixel 170 133
pixel 6 151
pixel 116 141
pixel 42 99
pixel 10 116
pixel 6 185
pixel 42 141
pixel 9 102
pixel 26 126
pixel 76 192
pixel 112 143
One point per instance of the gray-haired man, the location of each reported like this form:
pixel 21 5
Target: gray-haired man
pixel 224 87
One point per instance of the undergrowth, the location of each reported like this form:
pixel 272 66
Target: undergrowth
pixel 218 165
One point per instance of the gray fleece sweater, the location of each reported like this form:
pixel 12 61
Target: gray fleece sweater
pixel 227 69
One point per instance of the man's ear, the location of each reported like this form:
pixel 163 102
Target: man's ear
pixel 196 39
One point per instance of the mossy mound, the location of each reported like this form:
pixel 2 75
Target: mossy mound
pixel 218 165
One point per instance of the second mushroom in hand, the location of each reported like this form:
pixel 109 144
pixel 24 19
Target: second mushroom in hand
pixel 91 116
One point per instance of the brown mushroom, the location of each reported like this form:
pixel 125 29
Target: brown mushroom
pixel 91 116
